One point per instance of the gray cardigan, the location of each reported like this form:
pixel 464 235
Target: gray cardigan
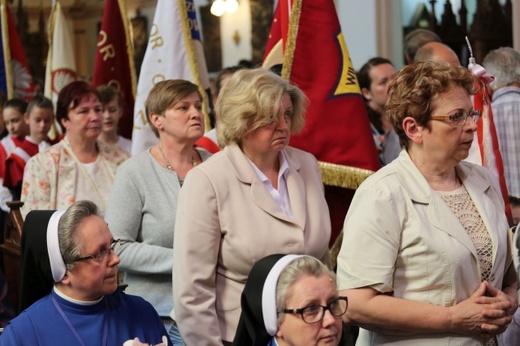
pixel 141 213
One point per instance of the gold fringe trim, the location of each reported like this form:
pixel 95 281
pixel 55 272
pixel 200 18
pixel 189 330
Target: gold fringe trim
pixel 7 51
pixel 334 250
pixel 343 176
pixel 332 174
pixel 52 22
pixel 50 37
pixel 54 131
pixel 292 34
pixel 183 14
pixel 129 45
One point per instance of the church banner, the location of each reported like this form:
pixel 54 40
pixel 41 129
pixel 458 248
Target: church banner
pixel 15 75
pixel 306 37
pixel 114 64
pixel 174 51
pixel 316 58
pixel 61 66
pixel 487 151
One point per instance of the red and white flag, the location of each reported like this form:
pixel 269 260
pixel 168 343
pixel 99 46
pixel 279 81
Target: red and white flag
pixel 61 66
pixel 15 75
pixel 114 64
pixel 487 152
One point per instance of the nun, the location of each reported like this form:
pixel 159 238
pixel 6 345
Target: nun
pixel 69 285
pixel 290 300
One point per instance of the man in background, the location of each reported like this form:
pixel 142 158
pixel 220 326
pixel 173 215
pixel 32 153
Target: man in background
pixel 436 52
pixel 504 64
pixel 415 39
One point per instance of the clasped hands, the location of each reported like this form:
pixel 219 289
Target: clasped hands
pixel 487 312
pixel 137 342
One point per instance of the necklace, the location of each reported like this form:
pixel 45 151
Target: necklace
pixel 168 164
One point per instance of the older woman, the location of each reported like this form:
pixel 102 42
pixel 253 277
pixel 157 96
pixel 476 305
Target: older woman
pixel 254 198
pixel 142 203
pixel 78 167
pixel 290 300
pixel 69 285
pixel 425 258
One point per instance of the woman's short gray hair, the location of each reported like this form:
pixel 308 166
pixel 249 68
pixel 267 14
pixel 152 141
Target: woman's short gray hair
pixel 252 99
pixel 68 235
pixel 302 266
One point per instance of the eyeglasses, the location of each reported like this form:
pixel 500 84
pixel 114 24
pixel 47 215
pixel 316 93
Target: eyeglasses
pixel 314 313
pixel 460 118
pixel 100 255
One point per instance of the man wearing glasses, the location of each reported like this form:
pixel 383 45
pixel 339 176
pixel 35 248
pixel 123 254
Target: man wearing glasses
pixel 73 252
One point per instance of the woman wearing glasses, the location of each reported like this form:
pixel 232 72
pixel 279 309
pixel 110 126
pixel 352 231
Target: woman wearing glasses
pixel 430 264
pixel 69 285
pixel 256 197
pixel 290 300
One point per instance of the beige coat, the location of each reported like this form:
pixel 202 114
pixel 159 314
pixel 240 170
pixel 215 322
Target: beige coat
pixel 401 238
pixel 226 221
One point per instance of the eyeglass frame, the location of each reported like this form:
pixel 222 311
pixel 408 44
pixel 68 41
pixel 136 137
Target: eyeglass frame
pixel 475 115
pixel 323 309
pixel 100 255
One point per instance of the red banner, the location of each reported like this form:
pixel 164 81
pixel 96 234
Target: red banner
pixel 316 58
pixel 306 36
pixel 114 63
pixel 488 141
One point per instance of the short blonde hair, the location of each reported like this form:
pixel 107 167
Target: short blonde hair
pixel 164 95
pixel 252 99
pixel 411 91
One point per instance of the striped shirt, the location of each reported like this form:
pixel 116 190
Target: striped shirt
pixel 506 113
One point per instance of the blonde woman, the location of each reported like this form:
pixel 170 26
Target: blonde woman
pixel 256 197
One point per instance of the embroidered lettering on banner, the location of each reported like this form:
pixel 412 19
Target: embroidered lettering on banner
pixel 347 83
pixel 155 38
pixel 107 51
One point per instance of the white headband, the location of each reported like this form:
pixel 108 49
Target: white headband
pixel 269 293
pixel 58 267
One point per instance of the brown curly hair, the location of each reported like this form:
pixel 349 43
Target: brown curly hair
pixel 413 87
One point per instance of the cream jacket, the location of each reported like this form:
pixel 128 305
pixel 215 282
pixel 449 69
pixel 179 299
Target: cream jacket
pixel 401 238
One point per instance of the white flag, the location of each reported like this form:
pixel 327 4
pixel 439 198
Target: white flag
pixel 174 51
pixel 61 66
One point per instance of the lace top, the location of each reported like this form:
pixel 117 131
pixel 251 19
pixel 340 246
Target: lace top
pixel 461 204
pixel 464 209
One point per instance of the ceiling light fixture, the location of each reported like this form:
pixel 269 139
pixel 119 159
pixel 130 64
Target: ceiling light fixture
pixel 219 7
pixel 231 6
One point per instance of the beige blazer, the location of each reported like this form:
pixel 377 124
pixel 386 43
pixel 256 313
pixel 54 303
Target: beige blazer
pixel 226 221
pixel 401 238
